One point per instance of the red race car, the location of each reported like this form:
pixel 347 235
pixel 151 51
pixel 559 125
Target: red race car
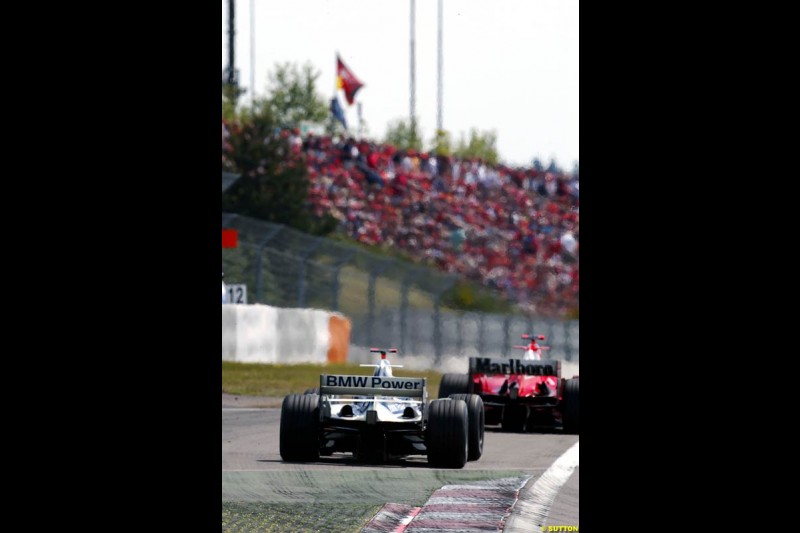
pixel 520 394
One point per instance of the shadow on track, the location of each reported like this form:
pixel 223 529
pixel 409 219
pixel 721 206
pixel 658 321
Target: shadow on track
pixel 349 460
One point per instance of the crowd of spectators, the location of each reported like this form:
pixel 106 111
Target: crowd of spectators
pixel 512 229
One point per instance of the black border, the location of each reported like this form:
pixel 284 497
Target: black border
pixel 150 137
pixel 669 264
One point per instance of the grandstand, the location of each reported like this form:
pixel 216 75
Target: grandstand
pixel 514 230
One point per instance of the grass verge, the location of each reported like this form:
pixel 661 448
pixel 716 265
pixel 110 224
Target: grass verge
pixel 290 517
pixel 258 379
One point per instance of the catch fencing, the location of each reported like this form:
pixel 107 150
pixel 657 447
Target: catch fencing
pixel 390 302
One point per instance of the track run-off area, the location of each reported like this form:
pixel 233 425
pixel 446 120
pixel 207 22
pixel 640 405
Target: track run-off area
pixel 261 492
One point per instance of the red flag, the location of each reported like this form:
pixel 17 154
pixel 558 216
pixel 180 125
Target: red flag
pixel 346 80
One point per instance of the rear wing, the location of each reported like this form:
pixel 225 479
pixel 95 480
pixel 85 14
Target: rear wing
pixel 497 365
pixel 383 351
pixel 371 386
pixel 520 347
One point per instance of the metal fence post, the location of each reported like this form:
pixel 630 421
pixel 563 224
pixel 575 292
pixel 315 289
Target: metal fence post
pixel 337 285
pixel 507 335
pixel 481 340
pixel 437 320
pixel 405 287
pixel 567 347
pixel 460 333
pixel 373 275
pixel 301 272
pixel 259 262
pixel 437 330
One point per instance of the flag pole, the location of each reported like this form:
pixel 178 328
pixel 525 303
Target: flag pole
pixel 360 123
pixel 252 53
pixel 440 61
pixel 412 62
pixel 336 74
pixel 336 88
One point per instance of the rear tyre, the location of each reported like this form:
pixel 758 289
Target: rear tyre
pixel 571 413
pixel 454 384
pixel 447 439
pixel 299 438
pixel 476 419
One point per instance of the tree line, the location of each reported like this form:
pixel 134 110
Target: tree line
pixel 274 181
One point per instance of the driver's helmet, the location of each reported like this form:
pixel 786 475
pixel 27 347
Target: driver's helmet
pixel 384 369
pixel 534 352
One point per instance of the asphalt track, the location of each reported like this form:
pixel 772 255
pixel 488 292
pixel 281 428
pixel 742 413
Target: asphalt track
pixel 253 471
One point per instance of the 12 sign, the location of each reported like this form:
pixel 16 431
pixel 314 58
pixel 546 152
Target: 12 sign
pixel 237 293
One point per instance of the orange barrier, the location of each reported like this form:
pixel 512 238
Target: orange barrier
pixel 339 340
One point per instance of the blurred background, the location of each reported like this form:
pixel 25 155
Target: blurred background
pixel 411 165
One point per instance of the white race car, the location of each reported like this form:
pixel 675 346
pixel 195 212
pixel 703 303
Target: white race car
pixel 380 417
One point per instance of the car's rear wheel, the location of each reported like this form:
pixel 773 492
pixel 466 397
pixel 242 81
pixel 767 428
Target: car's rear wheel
pixel 454 384
pixel 571 413
pixel 447 440
pixel 476 418
pixel 299 430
